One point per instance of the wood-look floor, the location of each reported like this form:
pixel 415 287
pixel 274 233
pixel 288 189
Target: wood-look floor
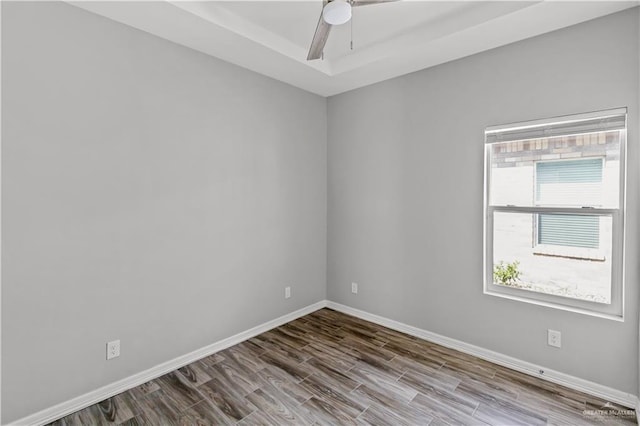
pixel 331 368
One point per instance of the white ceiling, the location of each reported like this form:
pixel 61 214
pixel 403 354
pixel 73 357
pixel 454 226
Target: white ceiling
pixel 390 39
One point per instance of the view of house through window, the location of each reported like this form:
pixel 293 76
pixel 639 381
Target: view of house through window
pixel 554 204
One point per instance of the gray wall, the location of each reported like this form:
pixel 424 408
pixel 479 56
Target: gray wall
pixel 405 194
pixel 165 198
pixel 150 193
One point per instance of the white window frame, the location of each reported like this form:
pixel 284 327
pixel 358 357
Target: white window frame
pixel 613 310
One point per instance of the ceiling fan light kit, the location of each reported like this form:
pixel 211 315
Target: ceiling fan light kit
pixel 337 12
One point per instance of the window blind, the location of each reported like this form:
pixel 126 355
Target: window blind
pixel 569 230
pixel 564 126
pixel 569 182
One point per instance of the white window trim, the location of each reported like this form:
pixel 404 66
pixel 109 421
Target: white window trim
pixel 612 311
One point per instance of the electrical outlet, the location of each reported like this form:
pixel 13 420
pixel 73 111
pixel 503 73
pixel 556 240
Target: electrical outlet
pixel 287 292
pixel 554 338
pixel 113 349
pixel 354 288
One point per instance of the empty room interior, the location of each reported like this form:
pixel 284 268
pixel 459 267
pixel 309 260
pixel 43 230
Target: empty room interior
pixel 320 213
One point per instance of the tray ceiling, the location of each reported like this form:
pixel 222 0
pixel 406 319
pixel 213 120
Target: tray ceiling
pixel 390 39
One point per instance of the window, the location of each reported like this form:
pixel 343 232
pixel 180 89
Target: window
pixel 554 197
pixel 569 182
pixel 568 230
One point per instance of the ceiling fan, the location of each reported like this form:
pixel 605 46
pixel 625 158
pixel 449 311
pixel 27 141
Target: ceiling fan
pixel 334 12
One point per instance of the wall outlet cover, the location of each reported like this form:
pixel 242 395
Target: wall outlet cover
pixel 554 338
pixel 113 349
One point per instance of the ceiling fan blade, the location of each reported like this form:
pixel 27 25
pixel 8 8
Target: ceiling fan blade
pixel 355 3
pixel 319 39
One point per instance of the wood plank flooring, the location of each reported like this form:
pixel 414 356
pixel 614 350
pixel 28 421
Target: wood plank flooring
pixel 329 368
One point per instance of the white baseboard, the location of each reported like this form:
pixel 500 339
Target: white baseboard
pixel 592 388
pixel 58 411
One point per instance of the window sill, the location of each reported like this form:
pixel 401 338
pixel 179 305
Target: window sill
pixel 569 252
pixel 613 317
